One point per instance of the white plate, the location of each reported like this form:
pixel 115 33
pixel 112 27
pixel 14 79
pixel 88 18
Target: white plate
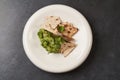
pixel 57 63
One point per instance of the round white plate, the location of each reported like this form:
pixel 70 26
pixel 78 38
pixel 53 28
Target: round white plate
pixel 57 63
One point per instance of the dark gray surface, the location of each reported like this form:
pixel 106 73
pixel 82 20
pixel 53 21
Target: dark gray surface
pixel 103 62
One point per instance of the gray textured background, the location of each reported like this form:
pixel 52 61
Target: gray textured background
pixel 103 62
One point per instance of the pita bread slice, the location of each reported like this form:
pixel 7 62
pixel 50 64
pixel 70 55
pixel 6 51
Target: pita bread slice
pixel 53 21
pixel 67 47
pixel 51 24
pixel 48 28
pixel 68 51
pixel 69 29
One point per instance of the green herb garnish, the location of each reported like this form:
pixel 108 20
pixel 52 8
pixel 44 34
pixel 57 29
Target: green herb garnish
pixel 61 28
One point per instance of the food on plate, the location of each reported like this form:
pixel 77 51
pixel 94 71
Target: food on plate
pixel 56 36
pixel 51 24
pixel 67 47
pixel 53 21
pixel 67 29
pixel 49 41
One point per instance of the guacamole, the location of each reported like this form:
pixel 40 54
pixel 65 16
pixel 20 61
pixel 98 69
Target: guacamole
pixel 52 43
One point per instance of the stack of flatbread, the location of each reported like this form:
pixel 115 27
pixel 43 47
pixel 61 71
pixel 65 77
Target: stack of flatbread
pixel 51 24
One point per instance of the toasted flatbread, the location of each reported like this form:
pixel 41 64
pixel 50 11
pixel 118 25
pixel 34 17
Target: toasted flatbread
pixel 68 51
pixel 70 30
pixel 67 47
pixel 48 28
pixel 53 21
pixel 67 38
pixel 51 24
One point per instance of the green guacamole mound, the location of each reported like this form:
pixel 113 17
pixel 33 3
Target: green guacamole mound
pixel 49 41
